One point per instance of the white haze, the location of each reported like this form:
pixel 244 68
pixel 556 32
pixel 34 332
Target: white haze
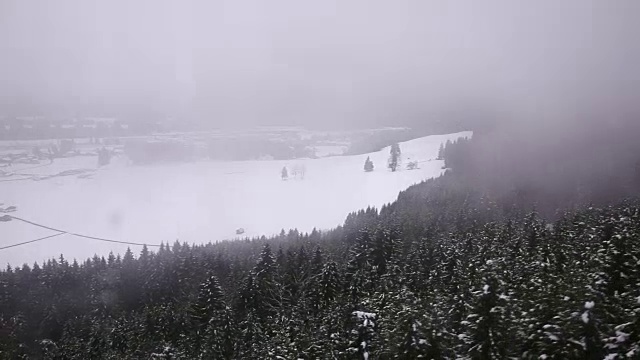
pixel 317 63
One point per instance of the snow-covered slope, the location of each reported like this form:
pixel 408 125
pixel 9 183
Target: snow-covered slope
pixel 199 202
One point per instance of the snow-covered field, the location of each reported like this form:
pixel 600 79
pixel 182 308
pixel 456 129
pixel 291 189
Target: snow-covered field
pixel 197 202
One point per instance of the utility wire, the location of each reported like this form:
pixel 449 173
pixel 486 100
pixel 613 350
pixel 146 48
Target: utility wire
pixel 61 232
pixel 38 225
pixel 31 241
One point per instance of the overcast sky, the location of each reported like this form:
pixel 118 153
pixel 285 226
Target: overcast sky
pixel 318 62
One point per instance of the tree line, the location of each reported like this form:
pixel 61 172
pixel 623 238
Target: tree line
pixel 453 269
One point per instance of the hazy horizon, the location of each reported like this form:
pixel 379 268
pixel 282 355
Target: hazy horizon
pixel 339 64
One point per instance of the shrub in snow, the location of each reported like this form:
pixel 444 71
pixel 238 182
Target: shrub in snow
pixel 412 165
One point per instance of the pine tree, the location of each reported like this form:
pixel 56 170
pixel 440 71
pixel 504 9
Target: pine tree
pixel 213 322
pixel 488 323
pixel 364 335
pixel 210 300
pixel 329 283
pixel 384 248
pixel 284 173
pixel 267 294
pixel 360 273
pixel 317 262
pixel 394 157
pixel 368 165
pixel 410 333
pixel 252 344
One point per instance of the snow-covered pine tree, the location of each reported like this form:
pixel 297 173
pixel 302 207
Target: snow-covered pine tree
pixel 384 247
pixel 317 261
pixel 267 296
pixel 219 336
pixel 330 284
pixel 488 324
pixel 399 322
pixel 252 344
pixel 210 300
pixel 364 334
pixel 360 273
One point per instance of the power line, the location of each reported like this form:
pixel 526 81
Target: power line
pixel 31 241
pixel 61 232
pixel 38 225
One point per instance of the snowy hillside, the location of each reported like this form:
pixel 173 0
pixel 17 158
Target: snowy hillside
pixel 198 202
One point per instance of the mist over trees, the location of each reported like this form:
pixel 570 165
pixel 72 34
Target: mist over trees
pixel 549 168
pixel 452 269
pixel 527 247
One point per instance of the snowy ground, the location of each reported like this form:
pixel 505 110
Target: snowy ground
pixel 196 202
